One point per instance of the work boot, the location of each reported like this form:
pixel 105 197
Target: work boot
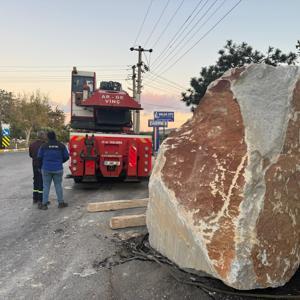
pixel 43 206
pixel 62 205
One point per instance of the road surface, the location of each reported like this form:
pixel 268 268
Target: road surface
pixel 72 254
pixel 52 254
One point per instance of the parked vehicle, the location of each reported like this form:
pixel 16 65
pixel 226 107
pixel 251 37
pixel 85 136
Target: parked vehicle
pixel 102 142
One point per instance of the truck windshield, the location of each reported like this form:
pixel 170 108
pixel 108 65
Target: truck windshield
pixel 113 117
pixel 79 81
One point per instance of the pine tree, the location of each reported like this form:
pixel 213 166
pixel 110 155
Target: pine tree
pixel 231 56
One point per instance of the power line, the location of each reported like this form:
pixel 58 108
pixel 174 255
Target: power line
pixel 157 88
pixel 54 71
pixel 168 24
pixel 169 81
pixel 180 28
pixel 202 37
pixel 157 22
pixel 59 67
pixel 164 82
pixel 57 77
pixel 53 80
pixel 148 62
pixel 45 74
pixel 54 77
pixel 160 105
pixel 142 25
pixel 160 88
pixel 166 60
pixel 188 33
pixel 165 85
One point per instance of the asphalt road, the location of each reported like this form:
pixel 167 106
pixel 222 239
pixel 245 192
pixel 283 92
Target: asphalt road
pixel 52 254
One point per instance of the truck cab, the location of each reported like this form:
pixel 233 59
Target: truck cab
pixel 107 109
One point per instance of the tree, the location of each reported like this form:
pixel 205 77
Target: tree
pixel 231 56
pixel 56 121
pixel 29 113
pixel 9 112
pixel 6 106
pixel 33 112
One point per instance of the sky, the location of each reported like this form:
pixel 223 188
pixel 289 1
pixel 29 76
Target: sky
pixel 42 40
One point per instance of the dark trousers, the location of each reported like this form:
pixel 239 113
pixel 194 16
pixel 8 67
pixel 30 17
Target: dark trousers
pixel 37 185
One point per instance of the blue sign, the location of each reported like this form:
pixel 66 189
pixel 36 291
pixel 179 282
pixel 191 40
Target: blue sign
pixel 5 131
pixel 157 123
pixel 164 116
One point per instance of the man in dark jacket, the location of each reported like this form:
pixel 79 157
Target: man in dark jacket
pixel 51 157
pixel 37 175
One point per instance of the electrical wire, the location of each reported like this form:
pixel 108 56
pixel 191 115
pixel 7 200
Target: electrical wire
pixel 148 62
pixel 182 27
pixel 165 85
pixel 142 25
pixel 157 88
pixel 163 89
pixel 168 80
pixel 201 38
pixel 159 105
pixel 181 43
pixel 160 82
pixel 54 71
pixel 157 22
pixel 59 67
pixel 168 24
pixel 166 60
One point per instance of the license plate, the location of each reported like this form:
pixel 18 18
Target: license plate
pixel 111 163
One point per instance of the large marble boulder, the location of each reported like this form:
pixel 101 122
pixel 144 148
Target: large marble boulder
pixel 225 189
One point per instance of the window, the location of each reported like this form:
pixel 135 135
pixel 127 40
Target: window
pixel 115 117
pixel 79 81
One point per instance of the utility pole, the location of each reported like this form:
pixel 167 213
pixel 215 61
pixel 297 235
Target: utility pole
pixel 139 82
pixel 134 95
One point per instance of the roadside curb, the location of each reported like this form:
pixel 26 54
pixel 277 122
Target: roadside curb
pixel 13 150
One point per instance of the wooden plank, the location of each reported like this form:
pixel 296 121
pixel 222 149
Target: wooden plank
pixel 127 221
pixel 117 204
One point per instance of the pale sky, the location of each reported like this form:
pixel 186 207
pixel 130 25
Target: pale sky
pixel 42 40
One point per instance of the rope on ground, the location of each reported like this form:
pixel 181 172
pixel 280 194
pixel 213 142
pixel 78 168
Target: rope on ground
pixel 140 254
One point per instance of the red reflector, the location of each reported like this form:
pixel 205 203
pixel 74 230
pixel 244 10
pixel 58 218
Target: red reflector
pixel 132 156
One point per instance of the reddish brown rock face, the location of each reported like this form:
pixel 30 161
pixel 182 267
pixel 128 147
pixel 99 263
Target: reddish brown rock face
pixel 276 256
pixel 224 190
pixel 208 175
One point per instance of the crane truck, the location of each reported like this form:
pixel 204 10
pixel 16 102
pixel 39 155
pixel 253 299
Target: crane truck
pixel 102 142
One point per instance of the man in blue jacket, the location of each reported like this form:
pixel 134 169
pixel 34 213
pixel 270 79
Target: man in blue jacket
pixel 51 157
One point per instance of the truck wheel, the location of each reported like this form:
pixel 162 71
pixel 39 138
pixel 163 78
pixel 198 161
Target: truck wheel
pixel 77 179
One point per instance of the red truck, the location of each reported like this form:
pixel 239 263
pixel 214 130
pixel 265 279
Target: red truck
pixel 102 142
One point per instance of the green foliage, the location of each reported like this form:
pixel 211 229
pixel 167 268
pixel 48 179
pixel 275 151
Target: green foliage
pixel 231 56
pixel 6 106
pixel 56 122
pixel 28 114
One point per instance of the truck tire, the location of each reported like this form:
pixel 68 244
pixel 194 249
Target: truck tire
pixel 77 179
